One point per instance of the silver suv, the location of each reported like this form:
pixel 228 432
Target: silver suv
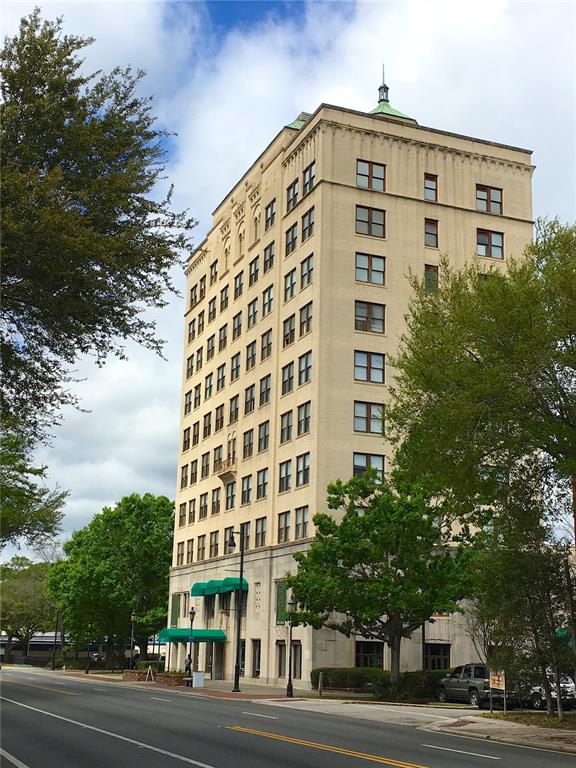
pixel 469 683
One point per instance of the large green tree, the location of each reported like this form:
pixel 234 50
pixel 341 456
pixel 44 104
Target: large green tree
pixel 486 373
pixel 382 570
pixel 87 242
pixel 117 566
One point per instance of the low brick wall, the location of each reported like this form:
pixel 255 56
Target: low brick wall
pixel 134 675
pixel 169 681
pixel 139 675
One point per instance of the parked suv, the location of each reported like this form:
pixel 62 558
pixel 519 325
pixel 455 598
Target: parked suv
pixel 469 683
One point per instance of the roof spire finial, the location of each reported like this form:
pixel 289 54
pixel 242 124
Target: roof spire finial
pixel 383 90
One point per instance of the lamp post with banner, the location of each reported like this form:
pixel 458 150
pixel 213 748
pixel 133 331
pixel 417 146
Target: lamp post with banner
pixel 231 548
pixel 290 608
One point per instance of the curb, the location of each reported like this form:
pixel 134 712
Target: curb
pixel 534 743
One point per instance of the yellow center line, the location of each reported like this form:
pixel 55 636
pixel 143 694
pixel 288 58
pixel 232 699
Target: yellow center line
pixel 43 687
pixel 327 748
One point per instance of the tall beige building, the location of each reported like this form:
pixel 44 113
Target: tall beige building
pixel 295 301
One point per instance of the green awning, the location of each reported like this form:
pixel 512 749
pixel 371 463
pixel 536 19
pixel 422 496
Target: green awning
pixel 173 635
pixel 212 587
pixel 232 584
pixel 198 589
pixel 218 586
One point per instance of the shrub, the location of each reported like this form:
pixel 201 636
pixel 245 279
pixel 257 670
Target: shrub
pixel 145 664
pixel 418 686
pixel 349 678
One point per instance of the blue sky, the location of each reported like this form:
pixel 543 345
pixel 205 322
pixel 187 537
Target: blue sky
pixel 226 76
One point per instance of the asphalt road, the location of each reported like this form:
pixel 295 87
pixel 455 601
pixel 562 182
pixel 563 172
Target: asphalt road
pixel 54 722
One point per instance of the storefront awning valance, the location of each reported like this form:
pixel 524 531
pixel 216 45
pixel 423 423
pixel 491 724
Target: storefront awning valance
pixel 173 635
pixel 218 586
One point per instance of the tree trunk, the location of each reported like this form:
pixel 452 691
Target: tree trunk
pixel 8 650
pixel 395 659
pixel 571 600
pixel 142 642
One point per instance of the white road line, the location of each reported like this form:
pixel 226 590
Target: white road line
pixel 257 714
pixel 141 744
pixel 404 711
pixel 461 752
pixel 12 759
pixel 100 689
pixel 157 699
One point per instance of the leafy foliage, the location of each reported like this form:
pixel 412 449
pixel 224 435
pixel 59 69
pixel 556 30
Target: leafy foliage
pixel 380 572
pixel 86 243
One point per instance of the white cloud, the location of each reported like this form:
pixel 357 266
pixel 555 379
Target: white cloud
pixel 498 70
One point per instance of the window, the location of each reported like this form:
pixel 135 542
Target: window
pixel 201 548
pixel 224 599
pixel 182 515
pixel 236 325
pixel 370 269
pixel 369 653
pixel 263 436
pixel 304 368
pixel 252 313
pixel 288 378
pixel 203 511
pixel 285 476
pixel 213 272
pixel 197 395
pixel 292 195
pixel 189 366
pixel 199 359
pixel 248 444
pixel 368 417
pixel 370 175
pixel 304 412
pixel 200 322
pixel 269 257
pixel 234 408
pixel 217 458
pixel 308 224
pixel 430 187
pixel 210 347
pixel 291 239
pixel 266 345
pixel 490 244
pixel 207 426
pixel 193 296
pixel 260 539
pixel 205 465
pixel 308 178
pixel 189 551
pixel 306 319
pixel 269 214
pixel 251 355
pixel 180 553
pixel 224 298
pixel 430 278
pixel 219 420
pixel 245 528
pixel 230 495
pixel 191 511
pixel 247 489
pixel 202 285
pixel 184 476
pixel 488 199
pixel 262 484
pixel 195 433
pixel 281 595
pixel 191 330
pixel 222 338
pixel 369 317
pixel 238 284
pixel 193 472
pixel 370 221
pixel 211 309
pixel 436 655
pixel 283 527
pixel 267 300
pixel 301 528
pixel 215 501
pixel 302 469
pixel 369 366
pixel 364 460
pixel 228 532
pixel 208 386
pixel 286 427
pixel 235 367
pixel 221 377
pixel 289 330
pixel 187 402
pixel 431 233
pixel 214 543
pixel 265 387
pixel 306 271
pixel 186 439
pixel 253 271
pixel 289 285
pixel 249 399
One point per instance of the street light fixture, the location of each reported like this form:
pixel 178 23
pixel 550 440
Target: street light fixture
pixel 231 548
pixel 290 608
pixel 192 614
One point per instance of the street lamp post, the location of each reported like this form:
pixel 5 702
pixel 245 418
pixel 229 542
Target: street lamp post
pixel 192 614
pixel 290 606
pixel 231 548
pixel 132 618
